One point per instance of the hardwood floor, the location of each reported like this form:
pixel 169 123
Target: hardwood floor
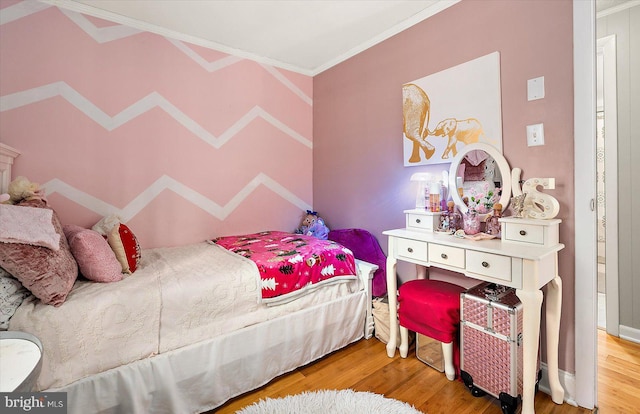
pixel 364 366
pixel 618 375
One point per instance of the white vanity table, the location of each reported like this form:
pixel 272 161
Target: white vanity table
pixel 525 258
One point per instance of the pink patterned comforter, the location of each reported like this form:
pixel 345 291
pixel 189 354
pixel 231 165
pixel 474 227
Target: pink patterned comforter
pixel 292 262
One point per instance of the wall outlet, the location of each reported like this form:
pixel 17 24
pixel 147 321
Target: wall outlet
pixel 535 135
pixel 535 88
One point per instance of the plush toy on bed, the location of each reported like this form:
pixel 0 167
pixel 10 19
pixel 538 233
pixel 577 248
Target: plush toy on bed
pixel 312 225
pixel 22 189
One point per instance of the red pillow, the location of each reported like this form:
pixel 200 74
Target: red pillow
pixel 125 245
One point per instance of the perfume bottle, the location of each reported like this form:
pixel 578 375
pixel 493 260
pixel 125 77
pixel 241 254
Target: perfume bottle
pixel 493 225
pixel 445 221
pixel 434 197
pixel 471 222
pixel 455 218
pixel 449 219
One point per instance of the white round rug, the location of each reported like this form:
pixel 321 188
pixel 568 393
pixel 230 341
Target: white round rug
pixel 330 402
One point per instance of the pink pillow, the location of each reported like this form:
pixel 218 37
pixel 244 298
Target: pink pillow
pixel 126 247
pixel 473 172
pixel 71 230
pixel 95 258
pixel 48 274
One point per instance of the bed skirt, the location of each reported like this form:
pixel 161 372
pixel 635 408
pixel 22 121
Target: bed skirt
pixel 203 376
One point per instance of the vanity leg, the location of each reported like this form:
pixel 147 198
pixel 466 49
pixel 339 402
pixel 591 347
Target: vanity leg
pixel 531 305
pixel 554 306
pixel 449 368
pixel 421 272
pixel 404 342
pixel 392 292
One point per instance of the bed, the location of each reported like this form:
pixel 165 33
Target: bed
pixel 190 328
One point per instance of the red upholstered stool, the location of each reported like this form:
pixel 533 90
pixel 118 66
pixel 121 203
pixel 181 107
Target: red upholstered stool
pixel 431 308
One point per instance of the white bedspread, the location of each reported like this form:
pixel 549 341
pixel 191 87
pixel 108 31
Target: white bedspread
pixel 178 296
pixel 100 326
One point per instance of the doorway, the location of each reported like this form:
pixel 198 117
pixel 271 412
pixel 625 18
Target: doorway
pixel 606 182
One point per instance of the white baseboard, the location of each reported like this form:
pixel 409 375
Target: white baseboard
pixel 567 380
pixel 629 334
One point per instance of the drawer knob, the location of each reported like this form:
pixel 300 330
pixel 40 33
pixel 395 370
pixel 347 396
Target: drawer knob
pixel 444 256
pixel 410 250
pixel 523 233
pixel 417 221
pixel 485 264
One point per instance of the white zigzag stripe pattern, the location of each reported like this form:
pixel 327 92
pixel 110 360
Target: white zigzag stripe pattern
pixel 20 10
pixel 230 60
pixel 167 183
pixel 108 34
pixel 286 82
pixel 100 34
pixel 145 104
pixel 111 33
pixel 208 66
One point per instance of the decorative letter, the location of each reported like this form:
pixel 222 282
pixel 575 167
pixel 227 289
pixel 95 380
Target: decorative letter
pixel 537 205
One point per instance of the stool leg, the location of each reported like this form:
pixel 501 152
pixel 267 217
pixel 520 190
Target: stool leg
pixel 449 369
pixel 404 342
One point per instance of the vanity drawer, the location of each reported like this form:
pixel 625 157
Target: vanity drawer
pixel 524 233
pixel 425 221
pixel 412 249
pixel 531 231
pixel 494 266
pixel 451 256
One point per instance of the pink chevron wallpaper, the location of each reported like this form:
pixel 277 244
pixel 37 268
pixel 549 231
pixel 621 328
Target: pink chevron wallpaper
pixel 183 142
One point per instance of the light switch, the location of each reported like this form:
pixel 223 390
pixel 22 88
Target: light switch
pixel 535 135
pixel 535 88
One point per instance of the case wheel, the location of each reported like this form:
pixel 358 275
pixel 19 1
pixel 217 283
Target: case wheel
pixel 468 382
pixel 508 404
pixel 508 409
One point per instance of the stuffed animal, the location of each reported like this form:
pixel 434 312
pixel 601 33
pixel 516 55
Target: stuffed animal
pixel 312 225
pixel 21 189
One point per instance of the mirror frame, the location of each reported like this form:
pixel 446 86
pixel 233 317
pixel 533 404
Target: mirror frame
pixel 502 163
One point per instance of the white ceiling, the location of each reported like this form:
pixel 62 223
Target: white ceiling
pixel 305 36
pixel 612 6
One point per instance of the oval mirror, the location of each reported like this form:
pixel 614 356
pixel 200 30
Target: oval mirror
pixel 482 175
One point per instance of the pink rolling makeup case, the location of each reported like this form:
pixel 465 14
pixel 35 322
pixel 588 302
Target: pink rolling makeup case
pixel 491 354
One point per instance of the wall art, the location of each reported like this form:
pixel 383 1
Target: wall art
pixel 447 110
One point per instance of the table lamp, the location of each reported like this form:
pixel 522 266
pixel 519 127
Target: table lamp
pixel 422 179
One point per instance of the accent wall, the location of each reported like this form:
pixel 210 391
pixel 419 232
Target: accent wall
pixel 184 143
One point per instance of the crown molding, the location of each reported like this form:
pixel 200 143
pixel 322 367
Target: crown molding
pixel 147 27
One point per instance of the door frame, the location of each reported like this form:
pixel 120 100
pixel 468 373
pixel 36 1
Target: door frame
pixel 584 106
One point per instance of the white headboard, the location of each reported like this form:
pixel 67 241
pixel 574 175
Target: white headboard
pixel 7 155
